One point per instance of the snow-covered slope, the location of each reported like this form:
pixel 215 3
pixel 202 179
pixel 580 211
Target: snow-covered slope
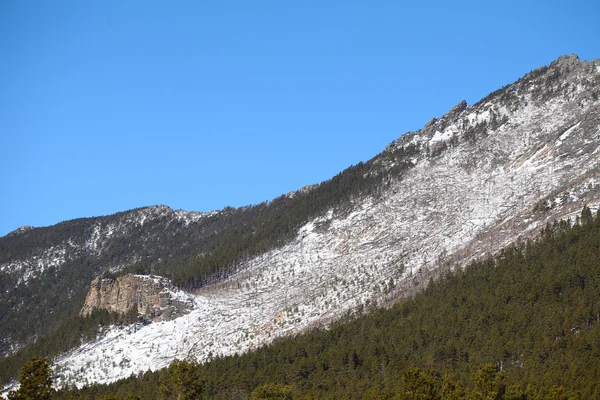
pixel 484 175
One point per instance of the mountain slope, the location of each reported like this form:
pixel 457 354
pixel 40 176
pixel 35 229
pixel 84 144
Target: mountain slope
pixel 465 185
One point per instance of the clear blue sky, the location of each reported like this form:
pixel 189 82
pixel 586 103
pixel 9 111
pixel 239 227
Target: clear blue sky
pixel 111 105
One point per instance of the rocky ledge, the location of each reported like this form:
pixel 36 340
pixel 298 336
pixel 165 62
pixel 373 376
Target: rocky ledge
pixel 153 296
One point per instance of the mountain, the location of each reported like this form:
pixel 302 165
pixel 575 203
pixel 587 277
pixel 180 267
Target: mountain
pixel 464 186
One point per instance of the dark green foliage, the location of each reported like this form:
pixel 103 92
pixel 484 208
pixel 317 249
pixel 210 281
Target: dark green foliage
pixel 523 325
pixel 488 383
pixel 35 381
pixel 273 391
pixel 180 381
pixel 419 385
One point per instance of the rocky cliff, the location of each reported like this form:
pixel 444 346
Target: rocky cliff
pixel 152 296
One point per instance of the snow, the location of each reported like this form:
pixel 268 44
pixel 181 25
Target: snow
pixel 441 136
pixel 564 136
pixel 479 117
pixel 188 217
pixel 37 264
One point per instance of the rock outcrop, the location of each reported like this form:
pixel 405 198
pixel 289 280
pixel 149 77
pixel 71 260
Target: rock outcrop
pixel 152 296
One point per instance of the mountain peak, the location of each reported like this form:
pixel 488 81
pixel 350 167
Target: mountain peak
pixel 456 110
pixel 565 62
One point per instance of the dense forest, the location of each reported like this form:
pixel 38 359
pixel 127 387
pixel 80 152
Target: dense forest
pixel 521 325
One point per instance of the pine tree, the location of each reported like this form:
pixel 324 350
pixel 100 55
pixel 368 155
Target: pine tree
pixel 35 381
pixel 489 384
pixel 181 381
pixel 419 385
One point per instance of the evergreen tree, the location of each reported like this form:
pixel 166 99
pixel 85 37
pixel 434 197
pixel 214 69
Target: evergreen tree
pixel 489 385
pixel 419 385
pixel 35 381
pixel 181 381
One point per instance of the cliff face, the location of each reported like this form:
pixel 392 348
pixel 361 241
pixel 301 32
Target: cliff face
pixel 152 296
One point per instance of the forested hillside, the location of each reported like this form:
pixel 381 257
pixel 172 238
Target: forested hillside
pixel 522 325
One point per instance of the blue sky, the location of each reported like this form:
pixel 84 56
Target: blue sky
pixel 107 106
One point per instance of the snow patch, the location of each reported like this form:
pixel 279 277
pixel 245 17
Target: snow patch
pixel 441 136
pixel 478 117
pixel 562 137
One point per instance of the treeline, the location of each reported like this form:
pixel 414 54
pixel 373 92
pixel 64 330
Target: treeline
pixel 522 325
pixel 251 231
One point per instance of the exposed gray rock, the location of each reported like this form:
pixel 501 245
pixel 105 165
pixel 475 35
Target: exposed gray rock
pixel 456 110
pixel 153 297
pixel 565 63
